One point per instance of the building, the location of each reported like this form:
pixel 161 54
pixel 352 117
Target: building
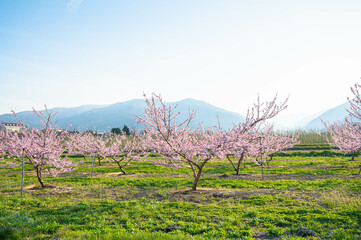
pixel 13 127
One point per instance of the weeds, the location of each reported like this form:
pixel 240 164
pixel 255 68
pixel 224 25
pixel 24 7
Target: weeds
pixel 318 193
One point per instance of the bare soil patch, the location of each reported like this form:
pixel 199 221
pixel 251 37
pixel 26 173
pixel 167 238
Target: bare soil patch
pixel 120 174
pixel 52 187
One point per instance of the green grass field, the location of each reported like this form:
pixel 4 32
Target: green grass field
pixel 319 193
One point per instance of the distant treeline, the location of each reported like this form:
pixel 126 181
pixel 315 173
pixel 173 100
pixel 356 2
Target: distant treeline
pixel 310 137
pixel 125 130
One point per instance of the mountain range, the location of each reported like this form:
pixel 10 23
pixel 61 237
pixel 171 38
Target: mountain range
pixel 106 117
pixel 334 114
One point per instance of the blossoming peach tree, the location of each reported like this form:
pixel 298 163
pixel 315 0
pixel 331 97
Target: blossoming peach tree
pixel 3 136
pixel 175 141
pixel 122 149
pixel 179 145
pixel 244 140
pixel 346 135
pixel 87 144
pixel 273 142
pixel 40 148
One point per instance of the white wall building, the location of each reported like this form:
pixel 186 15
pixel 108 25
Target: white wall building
pixel 13 127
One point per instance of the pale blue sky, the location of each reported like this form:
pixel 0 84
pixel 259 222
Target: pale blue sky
pixel 71 53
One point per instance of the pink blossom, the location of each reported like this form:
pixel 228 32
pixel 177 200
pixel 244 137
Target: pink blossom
pixel 181 146
pixel 42 149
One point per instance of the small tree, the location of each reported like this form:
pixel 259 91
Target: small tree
pixel 122 149
pixel 126 130
pixel 87 144
pixel 175 141
pixel 346 136
pixel 116 131
pixel 2 142
pixel 42 149
pixel 276 142
pixel 241 150
pixel 243 140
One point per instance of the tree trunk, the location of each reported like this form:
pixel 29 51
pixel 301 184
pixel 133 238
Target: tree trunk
pixel 38 174
pixel 124 172
pixel 238 166
pixel 239 163
pixel 121 168
pixel 197 172
pixel 240 160
pixel 99 161
pixel 196 179
pixel 234 167
pixel 353 156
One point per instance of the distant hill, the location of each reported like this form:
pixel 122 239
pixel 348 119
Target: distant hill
pixel 335 114
pixel 103 118
pixel 62 118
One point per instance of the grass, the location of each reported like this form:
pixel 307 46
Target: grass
pixel 319 193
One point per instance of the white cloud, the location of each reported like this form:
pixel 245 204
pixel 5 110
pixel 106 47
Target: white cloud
pixel 73 5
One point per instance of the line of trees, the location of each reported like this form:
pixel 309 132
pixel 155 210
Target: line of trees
pixel 165 135
pixel 179 145
pixel 125 130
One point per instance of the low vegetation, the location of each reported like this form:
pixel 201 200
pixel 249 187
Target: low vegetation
pixel 321 194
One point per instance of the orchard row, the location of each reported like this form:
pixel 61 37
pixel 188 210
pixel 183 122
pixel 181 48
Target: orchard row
pixel 174 141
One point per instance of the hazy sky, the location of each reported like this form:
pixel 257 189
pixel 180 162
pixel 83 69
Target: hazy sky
pixel 71 53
